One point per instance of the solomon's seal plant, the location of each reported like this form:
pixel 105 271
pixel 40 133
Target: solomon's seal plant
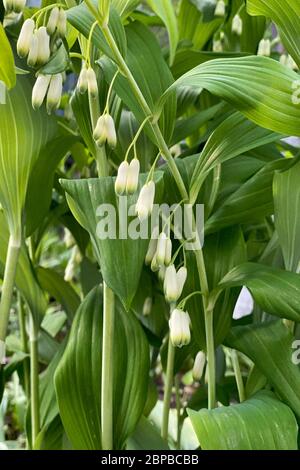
pixel 150 224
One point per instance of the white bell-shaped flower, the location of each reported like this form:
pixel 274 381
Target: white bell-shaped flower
pixel 145 201
pixel 220 8
pixel 25 37
pixel 179 325
pixel 121 180
pixel 133 176
pixel 53 20
pixel 199 364
pixel 237 25
pixel 39 90
pixel 92 82
pixel 54 93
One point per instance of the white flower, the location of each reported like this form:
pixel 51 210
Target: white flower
pixel 14 5
pixel 43 45
pixel 121 180
pixel 54 93
pixel 179 325
pixel 161 249
pixel 147 307
pixel 92 82
pixel 82 84
pixel 264 48
pixel 62 23
pixel 25 37
pixel 152 246
pixel 199 365
pixel 39 90
pixel 145 201
pixel 220 8
pixel 53 20
pixel 133 176
pixel 33 50
pixel 105 131
pixel 174 283
pixel 237 25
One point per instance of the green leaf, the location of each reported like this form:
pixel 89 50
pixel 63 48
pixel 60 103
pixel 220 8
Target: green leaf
pixel 234 136
pixel 58 62
pixel 146 437
pixel 260 423
pixel 276 291
pixel 238 207
pixel 51 436
pixel 38 197
pixel 81 18
pixel 7 63
pixel 121 260
pixel 146 63
pixel 286 191
pixel 266 99
pixel 20 148
pixel 78 383
pixel 62 291
pixel 286 15
pixel 165 10
pixel 269 346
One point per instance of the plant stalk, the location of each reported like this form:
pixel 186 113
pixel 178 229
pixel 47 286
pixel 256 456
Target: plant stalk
pixel 107 368
pixel 34 382
pixel 238 375
pixel 24 342
pixel 211 360
pixel 168 390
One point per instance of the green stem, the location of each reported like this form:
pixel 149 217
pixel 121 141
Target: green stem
pixel 178 410
pixel 168 390
pixel 107 368
pixel 34 382
pixel 238 375
pixel 24 342
pixel 211 361
pixel 13 251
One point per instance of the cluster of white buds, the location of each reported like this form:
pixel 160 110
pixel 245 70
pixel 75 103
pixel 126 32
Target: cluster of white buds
pixel 87 81
pixel 57 22
pixel 264 48
pixel 179 325
pixel 199 364
pixel 144 205
pixel 14 5
pixel 163 255
pixel 128 177
pixel 237 25
pixel 220 8
pixel 50 85
pixel 105 131
pixel 288 61
pixel 174 283
pixel 147 307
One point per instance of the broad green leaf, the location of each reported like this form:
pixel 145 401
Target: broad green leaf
pixel 53 322
pixel 53 283
pixel 238 207
pixel 260 423
pixel 26 280
pixel 7 63
pixel 253 31
pixel 146 63
pixel 81 18
pixel 165 10
pixel 121 260
pixel 286 191
pixel 269 346
pixel 276 291
pixel 38 197
pixel 146 437
pixel 266 99
pixel 256 381
pixel 23 134
pixel 58 62
pixel 286 15
pixel 234 136
pixel 51 436
pixel 78 383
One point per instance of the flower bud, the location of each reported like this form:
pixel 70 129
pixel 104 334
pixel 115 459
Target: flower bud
pixel 111 135
pixel 199 365
pixel 264 48
pixel 18 5
pixel 145 201
pixel 152 246
pixel 217 46
pixel 161 249
pixel 25 37
pixel 43 45
pixel 181 278
pixel 147 307
pixel 62 23
pixel 120 184
pixel 53 20
pixel 100 131
pixel 220 8
pixel 69 240
pixel 168 255
pixel 171 288
pixel 33 51
pixel 39 90
pixel 179 324
pixel 82 84
pixel 92 82
pixel 54 93
pixel 237 25
pixel 133 176
pixel 154 264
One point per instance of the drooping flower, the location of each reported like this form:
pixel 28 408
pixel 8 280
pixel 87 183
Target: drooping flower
pixel 144 205
pixel 25 37
pixel 264 48
pixel 179 325
pixel 220 8
pixel 54 92
pixel 39 90
pixel 133 176
pixel 53 20
pixel 199 364
pixel 237 25
pixel 121 180
pixel 92 82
